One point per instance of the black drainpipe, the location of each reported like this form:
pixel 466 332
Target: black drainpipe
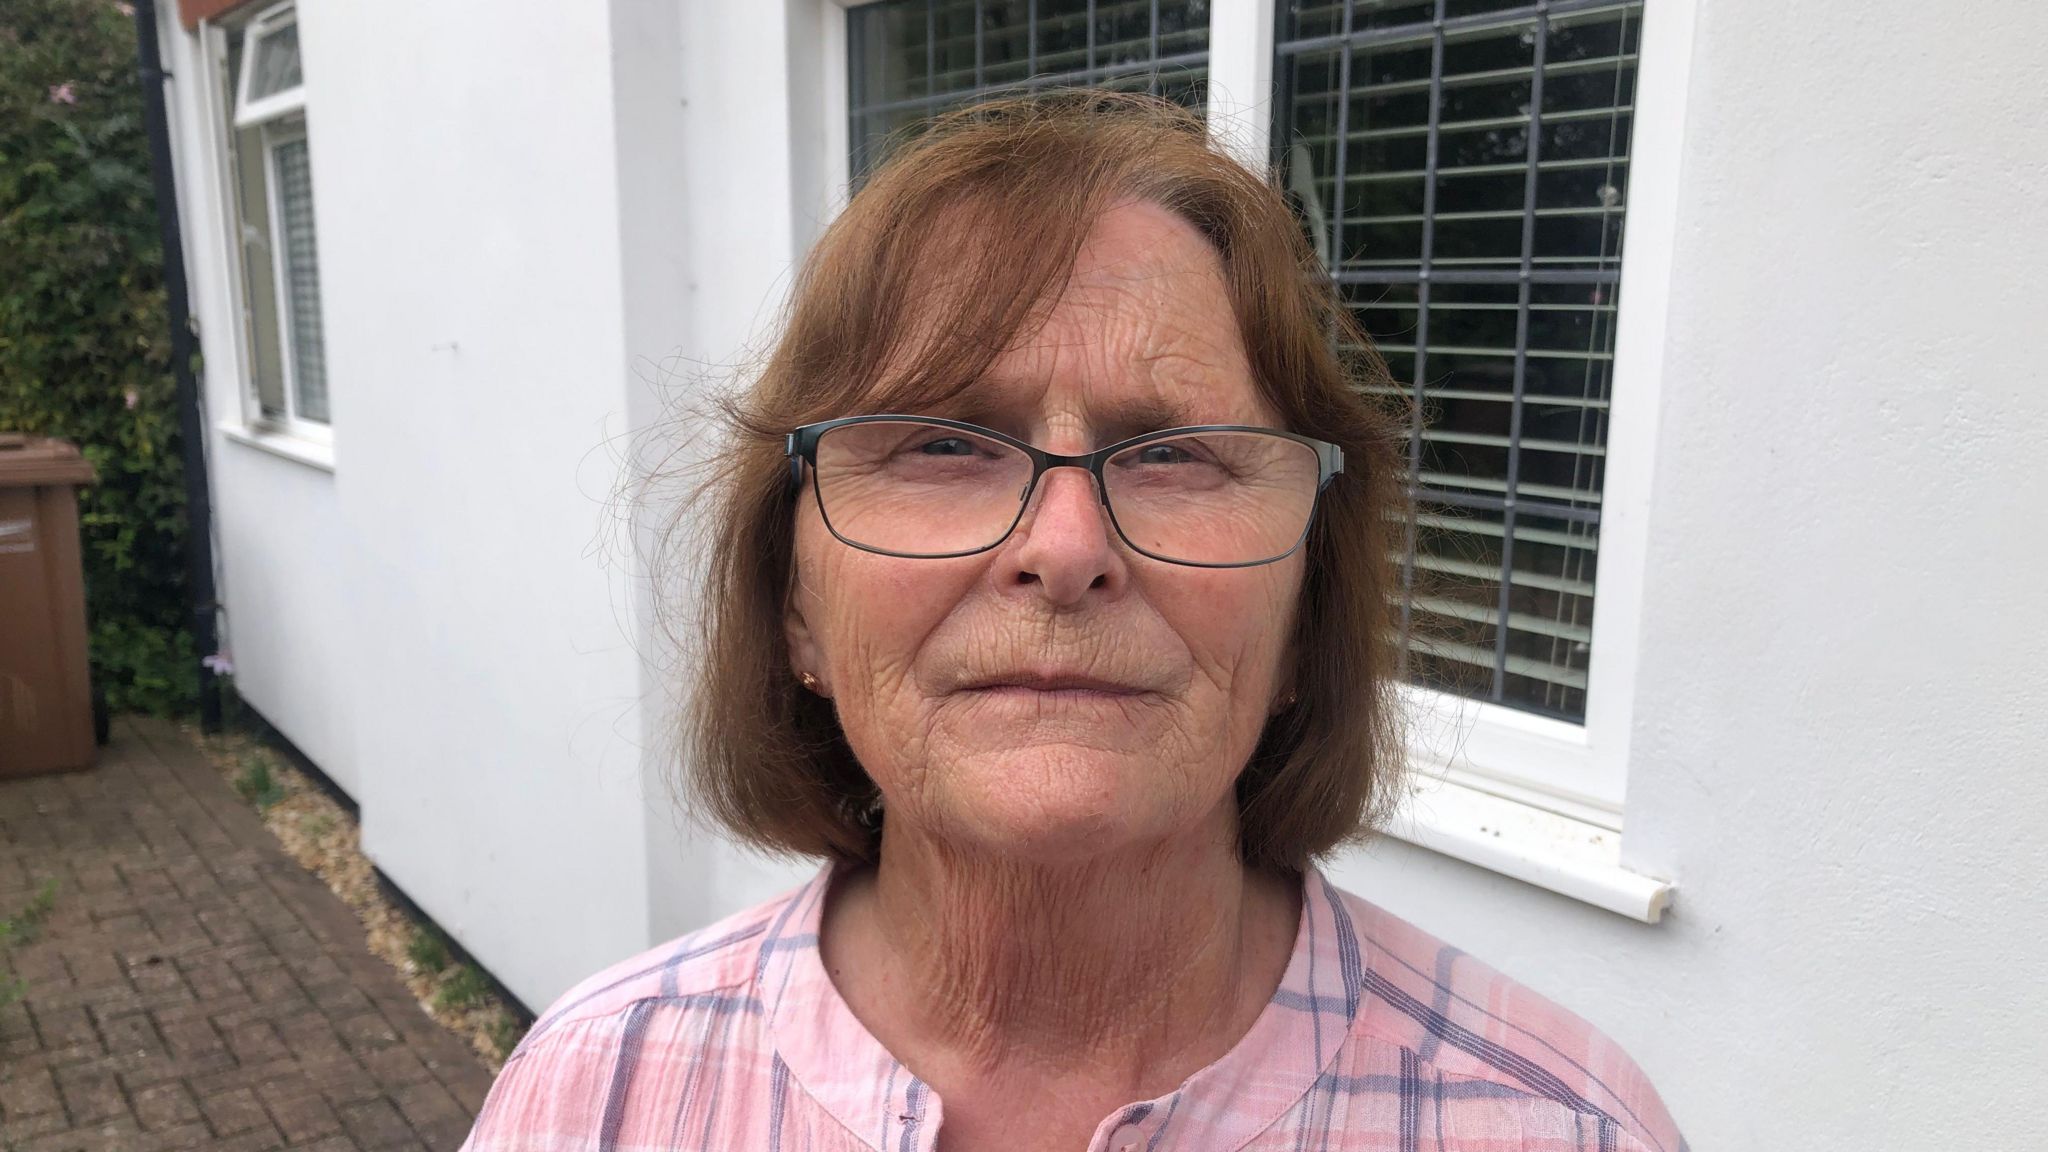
pixel 191 419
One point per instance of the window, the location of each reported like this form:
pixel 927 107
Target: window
pixel 1463 168
pixel 271 198
pixel 908 60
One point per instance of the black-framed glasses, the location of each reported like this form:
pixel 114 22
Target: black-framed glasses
pixel 920 487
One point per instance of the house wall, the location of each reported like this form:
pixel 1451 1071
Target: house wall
pixel 1840 751
pixel 751 199
pixel 452 604
pixel 277 521
pixel 1833 753
pixel 466 175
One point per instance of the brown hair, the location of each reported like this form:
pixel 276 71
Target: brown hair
pixel 991 204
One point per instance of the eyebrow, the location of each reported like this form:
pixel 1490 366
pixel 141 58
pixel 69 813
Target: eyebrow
pixel 1110 421
pixel 1124 419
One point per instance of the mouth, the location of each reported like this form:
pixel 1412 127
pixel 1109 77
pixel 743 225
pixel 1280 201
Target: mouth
pixel 1053 686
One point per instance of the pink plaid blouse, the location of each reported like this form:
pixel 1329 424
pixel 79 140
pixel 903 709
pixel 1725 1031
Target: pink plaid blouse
pixel 1379 1037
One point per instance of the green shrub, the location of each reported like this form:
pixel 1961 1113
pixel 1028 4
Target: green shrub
pixel 84 339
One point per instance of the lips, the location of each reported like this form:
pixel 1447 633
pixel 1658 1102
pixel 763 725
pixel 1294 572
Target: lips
pixel 1053 682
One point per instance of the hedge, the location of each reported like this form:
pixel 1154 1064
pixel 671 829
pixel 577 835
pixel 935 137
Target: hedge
pixel 84 338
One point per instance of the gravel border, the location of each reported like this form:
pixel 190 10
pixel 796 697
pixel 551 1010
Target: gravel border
pixel 323 838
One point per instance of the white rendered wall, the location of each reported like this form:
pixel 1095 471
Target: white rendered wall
pixel 277 522
pixel 468 205
pixel 1841 740
pixel 743 214
pixel 444 623
pixel 1839 750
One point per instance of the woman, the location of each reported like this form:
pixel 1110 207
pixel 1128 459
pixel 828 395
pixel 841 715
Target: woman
pixel 1049 606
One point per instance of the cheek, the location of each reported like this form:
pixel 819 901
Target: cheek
pixel 869 615
pixel 1237 624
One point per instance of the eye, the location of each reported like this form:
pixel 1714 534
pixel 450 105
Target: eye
pixel 947 446
pixel 1164 454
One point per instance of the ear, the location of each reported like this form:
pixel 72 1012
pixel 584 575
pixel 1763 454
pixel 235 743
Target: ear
pixel 804 653
pixel 1283 699
pixel 1286 692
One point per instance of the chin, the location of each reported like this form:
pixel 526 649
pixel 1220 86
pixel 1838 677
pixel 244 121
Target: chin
pixel 1051 808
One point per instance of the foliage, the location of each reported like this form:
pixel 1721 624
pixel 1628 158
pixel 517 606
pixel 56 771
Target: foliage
pixel 461 989
pixel 25 926
pixel 84 335
pixel 257 784
pixel 506 1032
pixel 427 950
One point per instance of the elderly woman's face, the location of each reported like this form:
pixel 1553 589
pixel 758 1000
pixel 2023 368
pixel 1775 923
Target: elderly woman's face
pixel 1062 696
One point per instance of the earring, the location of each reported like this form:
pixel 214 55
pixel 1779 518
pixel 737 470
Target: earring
pixel 809 681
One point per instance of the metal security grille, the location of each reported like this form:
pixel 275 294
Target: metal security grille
pixel 1462 166
pixel 910 59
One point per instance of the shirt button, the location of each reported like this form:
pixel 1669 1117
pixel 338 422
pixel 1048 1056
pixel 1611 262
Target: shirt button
pixel 1129 1138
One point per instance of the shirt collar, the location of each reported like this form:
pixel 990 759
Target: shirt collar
pixel 841 1065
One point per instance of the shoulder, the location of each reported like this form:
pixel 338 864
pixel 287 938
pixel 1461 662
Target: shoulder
pixel 1467 1021
pixel 556 1085
pixel 716 958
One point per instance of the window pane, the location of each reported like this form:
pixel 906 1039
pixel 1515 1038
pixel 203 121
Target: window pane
pixel 276 62
pixel 252 212
pixel 1466 184
pixel 302 279
pixel 911 59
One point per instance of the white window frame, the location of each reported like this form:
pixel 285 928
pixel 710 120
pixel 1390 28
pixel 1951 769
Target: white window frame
pixel 251 112
pixel 1529 796
pixel 280 118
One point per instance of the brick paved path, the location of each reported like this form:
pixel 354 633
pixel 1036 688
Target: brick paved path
pixel 194 988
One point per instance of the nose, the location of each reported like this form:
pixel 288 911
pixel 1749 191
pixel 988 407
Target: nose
pixel 1063 546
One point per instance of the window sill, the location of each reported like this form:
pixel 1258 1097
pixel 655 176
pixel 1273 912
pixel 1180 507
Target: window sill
pixel 311 453
pixel 1558 853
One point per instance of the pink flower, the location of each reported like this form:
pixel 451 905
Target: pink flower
pixel 131 398
pixel 220 664
pixel 124 9
pixel 62 94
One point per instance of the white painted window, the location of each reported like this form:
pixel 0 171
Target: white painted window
pixel 272 221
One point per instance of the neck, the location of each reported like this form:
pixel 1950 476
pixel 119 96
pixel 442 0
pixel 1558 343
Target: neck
pixel 1136 967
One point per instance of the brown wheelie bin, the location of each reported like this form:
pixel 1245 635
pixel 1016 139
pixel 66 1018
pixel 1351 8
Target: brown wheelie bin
pixel 46 706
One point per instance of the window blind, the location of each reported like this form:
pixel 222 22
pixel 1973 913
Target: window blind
pixel 910 59
pixel 1462 168
pixel 302 278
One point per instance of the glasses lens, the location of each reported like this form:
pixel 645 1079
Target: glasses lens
pixel 1214 497
pixel 919 489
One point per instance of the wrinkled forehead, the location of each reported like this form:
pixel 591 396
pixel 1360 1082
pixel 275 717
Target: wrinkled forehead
pixel 1137 333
